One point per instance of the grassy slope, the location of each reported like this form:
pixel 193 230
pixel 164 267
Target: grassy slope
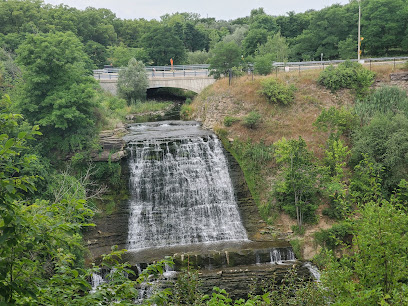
pixel 237 100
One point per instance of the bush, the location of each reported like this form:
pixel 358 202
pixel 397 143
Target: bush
pixel 350 75
pixel 339 234
pixel 228 120
pixel 252 120
pixel 263 64
pixel 297 247
pixel 186 112
pixel 276 92
pixel 383 100
pixel 336 121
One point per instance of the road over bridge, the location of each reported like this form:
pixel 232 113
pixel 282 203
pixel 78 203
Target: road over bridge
pixel 194 78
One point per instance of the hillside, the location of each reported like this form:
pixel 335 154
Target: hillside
pixel 242 97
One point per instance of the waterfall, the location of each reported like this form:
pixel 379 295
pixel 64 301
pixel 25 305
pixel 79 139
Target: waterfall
pixel 314 271
pixel 96 281
pixel 181 193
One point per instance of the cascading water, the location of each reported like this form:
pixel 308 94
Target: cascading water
pixel 181 191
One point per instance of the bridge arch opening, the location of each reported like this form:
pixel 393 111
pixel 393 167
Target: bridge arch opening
pixel 177 95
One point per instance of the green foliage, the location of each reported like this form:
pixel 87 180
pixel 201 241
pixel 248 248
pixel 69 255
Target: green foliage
pixel 186 112
pixel 298 186
pixel 225 56
pixel 253 158
pixel 276 48
pixel 385 30
pixel 384 141
pixel 366 182
pixel 350 75
pixel 57 95
pixel 162 44
pixel 252 120
pixel 277 92
pixel 254 38
pixel 133 82
pixel 336 121
pixel 198 57
pixel 228 120
pixel 119 56
pixel 186 290
pixel 338 235
pixel 9 71
pixel 297 247
pixel 298 230
pixel 109 172
pixel 347 48
pixel 263 64
pixel 383 100
pixel 375 271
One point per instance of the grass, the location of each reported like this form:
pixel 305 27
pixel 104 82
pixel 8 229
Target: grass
pixel 238 100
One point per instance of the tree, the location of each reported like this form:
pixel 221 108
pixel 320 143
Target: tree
pixel 9 71
pixel 58 92
pixel 383 23
pixel 96 52
pixel 295 192
pixel 254 38
pixel 375 272
pixel 293 24
pixel 225 57
pixel 385 142
pixel 347 48
pixel 276 48
pixel 263 64
pixel 237 36
pixel 162 44
pixel 119 56
pixel 133 82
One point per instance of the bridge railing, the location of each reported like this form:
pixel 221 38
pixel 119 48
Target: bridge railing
pixel 199 70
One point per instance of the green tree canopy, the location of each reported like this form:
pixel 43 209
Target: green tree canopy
pixel 57 92
pixel 133 82
pixel 162 44
pixel 225 56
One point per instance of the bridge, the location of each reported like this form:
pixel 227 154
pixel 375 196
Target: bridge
pixel 190 77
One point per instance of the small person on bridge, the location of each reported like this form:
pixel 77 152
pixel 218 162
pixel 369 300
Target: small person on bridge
pixel 153 71
pixel 171 63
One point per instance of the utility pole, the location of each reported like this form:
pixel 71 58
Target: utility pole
pixel 359 34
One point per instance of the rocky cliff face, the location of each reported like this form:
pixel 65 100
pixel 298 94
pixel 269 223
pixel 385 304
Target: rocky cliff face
pixel 112 229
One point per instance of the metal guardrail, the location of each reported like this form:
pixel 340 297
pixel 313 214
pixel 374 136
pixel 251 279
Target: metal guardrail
pixel 203 69
pixel 333 62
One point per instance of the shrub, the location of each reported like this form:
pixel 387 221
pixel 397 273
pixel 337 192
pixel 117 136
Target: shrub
pixel 339 234
pixel 252 120
pixel 186 112
pixel 350 75
pixel 383 100
pixel 228 120
pixel 336 121
pixel 277 92
pixel 263 64
pixel 297 247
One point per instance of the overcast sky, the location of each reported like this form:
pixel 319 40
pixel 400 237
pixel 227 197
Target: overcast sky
pixel 220 9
